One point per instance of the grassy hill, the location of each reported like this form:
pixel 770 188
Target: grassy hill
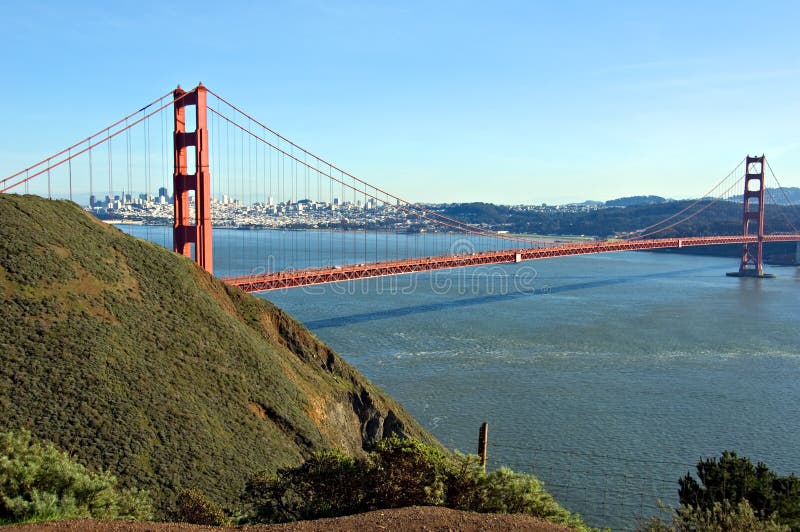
pixel 133 359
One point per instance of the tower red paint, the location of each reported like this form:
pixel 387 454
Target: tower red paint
pixel 752 264
pixel 185 230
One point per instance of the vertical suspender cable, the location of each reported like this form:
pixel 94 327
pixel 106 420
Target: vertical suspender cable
pixel 110 170
pixel 147 190
pixel 387 213
pixel 69 163
pixel 164 169
pixel 272 209
pixel 306 262
pixel 128 161
pixel 91 177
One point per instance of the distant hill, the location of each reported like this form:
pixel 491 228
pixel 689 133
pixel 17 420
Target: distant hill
pixel 779 196
pixel 720 218
pixel 133 359
pixel 631 201
pixel 477 212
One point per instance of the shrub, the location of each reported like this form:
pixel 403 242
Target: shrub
pixel 516 493
pixel 719 517
pixel 406 472
pixel 396 473
pixel 39 482
pixel 465 477
pixel 196 508
pixel 734 479
pixel 328 484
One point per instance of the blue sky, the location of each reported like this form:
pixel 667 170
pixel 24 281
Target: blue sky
pixel 505 101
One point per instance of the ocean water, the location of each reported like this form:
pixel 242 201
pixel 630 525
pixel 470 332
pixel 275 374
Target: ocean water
pixel 607 376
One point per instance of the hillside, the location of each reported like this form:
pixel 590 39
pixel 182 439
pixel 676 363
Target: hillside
pixel 133 359
pixel 779 196
pixel 719 218
pixel 632 201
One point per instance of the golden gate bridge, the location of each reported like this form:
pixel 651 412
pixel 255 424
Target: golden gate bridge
pixel 215 152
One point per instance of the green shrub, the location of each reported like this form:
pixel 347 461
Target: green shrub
pixel 733 479
pixel 719 517
pixel 396 473
pixel 328 484
pixel 516 493
pixel 39 482
pixel 406 472
pixel 465 477
pixel 194 507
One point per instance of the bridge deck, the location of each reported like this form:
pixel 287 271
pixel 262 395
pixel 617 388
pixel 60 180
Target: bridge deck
pixel 332 274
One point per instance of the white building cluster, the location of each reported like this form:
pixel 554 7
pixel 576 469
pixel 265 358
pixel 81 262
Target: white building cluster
pixel 235 213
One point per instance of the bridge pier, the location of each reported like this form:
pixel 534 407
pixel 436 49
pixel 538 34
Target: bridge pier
pixel 752 264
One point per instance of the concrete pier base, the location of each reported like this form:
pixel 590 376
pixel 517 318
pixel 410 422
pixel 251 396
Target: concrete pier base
pixel 751 273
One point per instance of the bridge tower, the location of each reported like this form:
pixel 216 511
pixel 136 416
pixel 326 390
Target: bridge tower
pixel 196 178
pixel 752 264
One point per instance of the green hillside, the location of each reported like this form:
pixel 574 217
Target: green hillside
pixel 133 359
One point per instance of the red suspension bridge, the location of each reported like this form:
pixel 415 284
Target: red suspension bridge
pixel 229 170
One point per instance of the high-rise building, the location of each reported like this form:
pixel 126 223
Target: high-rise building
pixel 163 192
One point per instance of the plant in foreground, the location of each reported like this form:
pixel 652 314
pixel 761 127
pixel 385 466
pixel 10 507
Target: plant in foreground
pixel 39 482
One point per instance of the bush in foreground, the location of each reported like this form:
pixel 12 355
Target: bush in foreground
pixel 732 494
pixel 719 517
pixel 38 482
pixel 734 479
pixel 195 507
pixel 397 473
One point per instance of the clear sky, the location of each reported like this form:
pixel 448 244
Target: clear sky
pixel 502 101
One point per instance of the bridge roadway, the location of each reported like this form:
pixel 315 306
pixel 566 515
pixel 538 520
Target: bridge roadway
pixel 332 274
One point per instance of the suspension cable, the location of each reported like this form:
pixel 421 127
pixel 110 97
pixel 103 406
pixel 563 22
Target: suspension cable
pixel 431 213
pixel 107 138
pixel 687 218
pixel 789 203
pixel 87 139
pixel 692 205
pixel 408 207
